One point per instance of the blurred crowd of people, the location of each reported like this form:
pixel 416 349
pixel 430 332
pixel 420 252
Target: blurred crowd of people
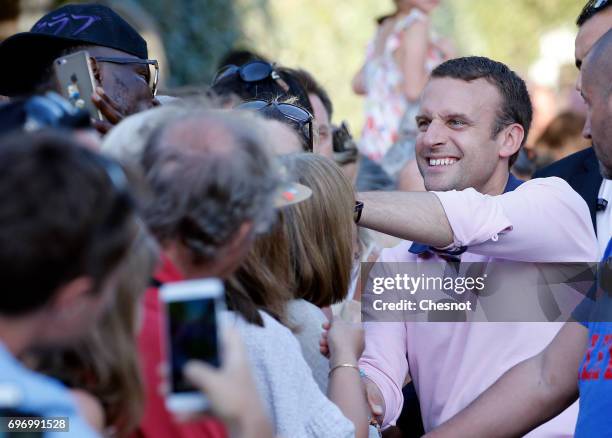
pixel 251 182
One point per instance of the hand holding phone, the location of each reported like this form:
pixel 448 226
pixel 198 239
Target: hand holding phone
pixel 192 329
pixel 76 81
pixel 74 74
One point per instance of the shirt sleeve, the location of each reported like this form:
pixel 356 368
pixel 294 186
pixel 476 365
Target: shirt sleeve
pixel 384 363
pixel 543 220
pixel 384 358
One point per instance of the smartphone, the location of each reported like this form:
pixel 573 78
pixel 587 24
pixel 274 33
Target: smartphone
pixel 192 321
pixel 76 80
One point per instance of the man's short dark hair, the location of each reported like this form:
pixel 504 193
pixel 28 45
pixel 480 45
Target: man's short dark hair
pixel 516 104
pixel 311 86
pixel 62 216
pixel 592 8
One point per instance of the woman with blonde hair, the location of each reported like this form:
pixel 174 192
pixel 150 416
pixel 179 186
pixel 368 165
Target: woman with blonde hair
pixel 304 264
pixel 321 234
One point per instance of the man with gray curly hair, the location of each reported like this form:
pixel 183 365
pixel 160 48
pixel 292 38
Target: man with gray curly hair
pixel 213 183
pixel 213 186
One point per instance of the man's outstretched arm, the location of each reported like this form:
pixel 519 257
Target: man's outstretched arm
pixel 531 220
pixel 415 216
pixel 529 394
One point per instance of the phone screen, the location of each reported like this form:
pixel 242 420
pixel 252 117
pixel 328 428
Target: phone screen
pixel 193 335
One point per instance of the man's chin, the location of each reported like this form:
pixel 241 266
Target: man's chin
pixel 605 170
pixel 438 185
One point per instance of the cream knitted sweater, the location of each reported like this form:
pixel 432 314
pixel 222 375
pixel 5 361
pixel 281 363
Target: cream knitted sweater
pixel 294 401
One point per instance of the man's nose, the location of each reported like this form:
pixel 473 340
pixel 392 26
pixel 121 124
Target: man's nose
pixel 434 135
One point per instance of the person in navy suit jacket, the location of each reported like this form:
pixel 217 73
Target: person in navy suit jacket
pixel 581 169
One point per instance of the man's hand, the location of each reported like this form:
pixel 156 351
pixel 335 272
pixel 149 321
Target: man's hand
pixel 109 109
pixel 376 402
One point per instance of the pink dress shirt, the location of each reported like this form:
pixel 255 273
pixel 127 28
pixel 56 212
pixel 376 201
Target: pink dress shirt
pixel 543 220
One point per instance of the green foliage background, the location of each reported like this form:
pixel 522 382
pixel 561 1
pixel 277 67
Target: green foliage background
pixel 328 37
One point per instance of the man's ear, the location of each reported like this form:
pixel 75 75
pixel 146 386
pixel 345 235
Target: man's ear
pixel 511 139
pixel 70 297
pixel 242 236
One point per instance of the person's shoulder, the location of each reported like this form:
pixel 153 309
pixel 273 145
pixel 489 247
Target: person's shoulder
pixel 30 386
pixel 252 333
pixel 568 166
pixel 35 393
pixel 547 186
pixel 301 310
pixel 270 348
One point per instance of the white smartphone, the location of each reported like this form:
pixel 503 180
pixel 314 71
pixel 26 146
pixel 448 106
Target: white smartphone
pixel 76 81
pixel 192 326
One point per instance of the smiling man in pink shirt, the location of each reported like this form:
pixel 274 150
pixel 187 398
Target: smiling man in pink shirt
pixel 475 116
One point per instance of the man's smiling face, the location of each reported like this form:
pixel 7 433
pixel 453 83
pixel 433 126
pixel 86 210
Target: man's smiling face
pixel 455 145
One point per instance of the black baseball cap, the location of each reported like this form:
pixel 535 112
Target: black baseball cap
pixel 26 56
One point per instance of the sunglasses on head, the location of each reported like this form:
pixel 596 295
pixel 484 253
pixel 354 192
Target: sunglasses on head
pixel 293 113
pixel 599 4
pixel 252 71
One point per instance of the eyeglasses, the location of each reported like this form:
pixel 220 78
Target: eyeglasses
pixel 293 113
pixel 357 211
pixel 152 83
pixel 252 71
